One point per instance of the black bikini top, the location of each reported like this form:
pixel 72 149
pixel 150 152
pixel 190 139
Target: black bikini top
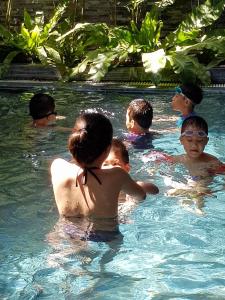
pixel 85 173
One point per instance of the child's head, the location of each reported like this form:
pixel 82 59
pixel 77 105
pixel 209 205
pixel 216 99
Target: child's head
pixel 194 136
pixel 42 106
pixel 139 116
pixel 118 155
pixel 186 97
pixel 92 137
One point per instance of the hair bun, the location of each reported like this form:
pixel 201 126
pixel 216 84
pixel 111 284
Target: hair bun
pixel 83 133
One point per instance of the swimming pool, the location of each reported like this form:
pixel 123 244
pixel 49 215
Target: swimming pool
pixel 167 252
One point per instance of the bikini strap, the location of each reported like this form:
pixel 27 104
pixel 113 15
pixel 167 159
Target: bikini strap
pixel 85 173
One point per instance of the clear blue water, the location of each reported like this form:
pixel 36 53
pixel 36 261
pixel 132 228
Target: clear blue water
pixel 167 251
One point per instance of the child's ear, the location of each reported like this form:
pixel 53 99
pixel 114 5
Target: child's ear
pixel 127 166
pixel 188 102
pixel 132 123
pixel 206 142
pixel 181 140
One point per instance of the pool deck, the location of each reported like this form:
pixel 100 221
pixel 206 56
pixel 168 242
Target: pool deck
pixel 85 86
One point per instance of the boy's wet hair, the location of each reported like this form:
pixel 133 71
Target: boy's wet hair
pixel 195 121
pixel 41 105
pixel 92 135
pixel 141 112
pixel 119 147
pixel 192 92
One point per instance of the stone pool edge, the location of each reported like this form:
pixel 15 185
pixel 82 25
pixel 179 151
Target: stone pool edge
pixel 85 86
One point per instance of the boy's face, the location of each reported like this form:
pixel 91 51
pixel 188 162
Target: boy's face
pixel 178 102
pixel 114 159
pixel 193 142
pixel 129 122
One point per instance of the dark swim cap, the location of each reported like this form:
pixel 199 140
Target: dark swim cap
pixel 192 92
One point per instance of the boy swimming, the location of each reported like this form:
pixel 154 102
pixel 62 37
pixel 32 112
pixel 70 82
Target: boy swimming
pixel 201 165
pixel 139 117
pixel 194 138
pixel 185 99
pixel 42 110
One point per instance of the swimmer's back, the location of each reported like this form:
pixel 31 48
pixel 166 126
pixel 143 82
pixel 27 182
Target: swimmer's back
pixel 98 199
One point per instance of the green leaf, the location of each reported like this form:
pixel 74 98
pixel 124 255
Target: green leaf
pixel 53 55
pixel 35 33
pixel 80 68
pixel 216 44
pixel 99 67
pixel 4 33
pixel 155 61
pixel 183 64
pixel 42 55
pixel 58 13
pixel 4 67
pixel 164 3
pixel 24 32
pixel 27 20
pixel 200 17
pixel 150 28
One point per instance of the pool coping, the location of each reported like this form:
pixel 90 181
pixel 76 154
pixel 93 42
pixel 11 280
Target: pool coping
pixel 86 86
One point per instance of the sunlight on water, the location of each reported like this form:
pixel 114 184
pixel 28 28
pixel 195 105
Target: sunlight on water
pixel 165 251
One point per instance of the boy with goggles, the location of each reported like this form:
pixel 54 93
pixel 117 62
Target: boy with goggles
pixel 194 138
pixel 184 101
pixel 42 110
pixel 201 165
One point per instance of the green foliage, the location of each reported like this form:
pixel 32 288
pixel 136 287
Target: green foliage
pixel 33 38
pixel 95 49
pixel 177 52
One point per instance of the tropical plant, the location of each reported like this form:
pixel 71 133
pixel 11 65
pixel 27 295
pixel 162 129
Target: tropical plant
pixel 33 39
pixel 177 52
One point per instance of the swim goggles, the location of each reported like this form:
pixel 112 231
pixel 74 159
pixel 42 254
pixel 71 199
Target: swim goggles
pixel 178 91
pixel 198 133
pixel 49 114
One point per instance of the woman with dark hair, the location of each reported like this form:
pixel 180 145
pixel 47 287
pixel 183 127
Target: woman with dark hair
pixel 82 187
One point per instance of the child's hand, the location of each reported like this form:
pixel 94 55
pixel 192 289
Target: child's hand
pixel 148 187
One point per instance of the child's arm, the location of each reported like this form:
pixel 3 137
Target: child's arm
pixel 137 190
pixel 130 187
pixel 148 187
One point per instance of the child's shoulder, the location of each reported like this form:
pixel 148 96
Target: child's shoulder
pixel 209 158
pixel 178 158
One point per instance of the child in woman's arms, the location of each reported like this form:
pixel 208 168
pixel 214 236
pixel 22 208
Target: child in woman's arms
pixel 119 156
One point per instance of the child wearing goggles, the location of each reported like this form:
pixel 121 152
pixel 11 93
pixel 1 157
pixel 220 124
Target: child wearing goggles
pixel 194 138
pixel 201 165
pixel 184 101
pixel 42 110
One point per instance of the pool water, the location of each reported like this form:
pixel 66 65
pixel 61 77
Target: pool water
pixel 167 251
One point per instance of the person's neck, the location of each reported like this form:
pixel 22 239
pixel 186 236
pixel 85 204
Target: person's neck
pixel 194 159
pixel 97 163
pixel 139 131
pixel 187 111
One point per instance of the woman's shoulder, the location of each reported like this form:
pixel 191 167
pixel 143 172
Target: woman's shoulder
pixel 115 172
pixel 61 167
pixel 59 162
